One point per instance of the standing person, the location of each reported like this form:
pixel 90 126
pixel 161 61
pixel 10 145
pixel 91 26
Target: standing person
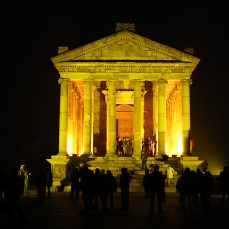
pixel 144 157
pixel 41 185
pixel 97 187
pixel 74 179
pixel 26 178
pixel 170 172
pixel 85 188
pixel 146 184
pixel 14 188
pixel 104 189
pixel 224 181
pixel 111 187
pixel 120 147
pixel 155 148
pixel 157 187
pixel 199 178
pixel 186 189
pixel 124 186
pixel 49 181
pixel 206 190
pixel 151 148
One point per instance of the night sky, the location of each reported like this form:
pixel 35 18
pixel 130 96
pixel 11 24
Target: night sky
pixel 35 32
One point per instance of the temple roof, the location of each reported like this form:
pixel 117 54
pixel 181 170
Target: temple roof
pixel 125 46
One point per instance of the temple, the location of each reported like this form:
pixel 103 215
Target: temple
pixel 123 86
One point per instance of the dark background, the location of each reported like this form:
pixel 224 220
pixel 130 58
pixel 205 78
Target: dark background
pixel 36 30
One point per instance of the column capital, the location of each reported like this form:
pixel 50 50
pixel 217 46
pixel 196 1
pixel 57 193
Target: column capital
pixel 63 80
pixel 186 81
pixel 162 81
pixel 137 81
pixel 111 83
pixel 87 81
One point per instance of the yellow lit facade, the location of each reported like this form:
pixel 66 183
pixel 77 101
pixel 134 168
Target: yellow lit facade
pixel 124 84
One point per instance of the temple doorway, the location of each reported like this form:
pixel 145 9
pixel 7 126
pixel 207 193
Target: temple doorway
pixel 124 120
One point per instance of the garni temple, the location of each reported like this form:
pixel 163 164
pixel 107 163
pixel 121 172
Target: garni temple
pixel 118 95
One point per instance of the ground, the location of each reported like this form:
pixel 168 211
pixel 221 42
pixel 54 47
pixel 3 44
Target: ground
pixel 61 212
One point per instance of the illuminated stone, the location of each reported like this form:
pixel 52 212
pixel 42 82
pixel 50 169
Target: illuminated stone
pixel 123 84
pixel 87 115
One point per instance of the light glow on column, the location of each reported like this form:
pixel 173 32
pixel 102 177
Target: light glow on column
pixel 69 144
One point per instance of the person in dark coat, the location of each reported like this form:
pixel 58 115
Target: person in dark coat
pixel 206 190
pixel 49 181
pixel 74 178
pixel 85 186
pixel 224 181
pixel 145 183
pixel 104 189
pixel 41 185
pixel 111 187
pixel 97 187
pixel 186 187
pixel 157 188
pixel 14 188
pixel 124 186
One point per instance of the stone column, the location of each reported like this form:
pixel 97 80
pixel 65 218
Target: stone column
pixel 58 162
pixel 96 109
pixel 161 115
pixel 87 115
pixel 76 118
pixel 63 122
pixel 137 119
pixel 155 110
pixel 186 116
pixel 111 100
pixel 81 131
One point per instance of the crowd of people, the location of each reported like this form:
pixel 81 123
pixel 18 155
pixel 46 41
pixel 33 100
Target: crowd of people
pixel 124 146
pixel 98 187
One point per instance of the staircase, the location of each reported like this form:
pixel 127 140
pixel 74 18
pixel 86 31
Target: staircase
pixel 134 167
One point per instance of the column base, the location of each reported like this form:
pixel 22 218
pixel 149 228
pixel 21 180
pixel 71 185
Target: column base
pixel 58 167
pixel 191 162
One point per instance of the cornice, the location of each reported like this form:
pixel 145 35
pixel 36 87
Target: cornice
pixel 131 67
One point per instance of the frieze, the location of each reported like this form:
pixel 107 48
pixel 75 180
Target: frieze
pixel 125 69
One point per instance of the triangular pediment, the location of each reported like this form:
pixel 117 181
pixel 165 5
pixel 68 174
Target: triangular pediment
pixel 125 46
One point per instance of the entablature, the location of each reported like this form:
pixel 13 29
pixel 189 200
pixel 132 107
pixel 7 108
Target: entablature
pixel 125 67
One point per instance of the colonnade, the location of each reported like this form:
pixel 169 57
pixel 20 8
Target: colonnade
pixel 160 116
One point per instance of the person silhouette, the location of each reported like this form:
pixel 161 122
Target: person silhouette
pixel 157 188
pixel 224 181
pixel 104 189
pixel 111 187
pixel 49 180
pixel 186 189
pixel 145 183
pixel 74 179
pixel 85 185
pixel 41 185
pixel 144 157
pixel 124 186
pixel 206 190
pixel 97 187
pixel 14 188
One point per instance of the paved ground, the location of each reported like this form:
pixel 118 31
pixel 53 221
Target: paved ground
pixel 61 212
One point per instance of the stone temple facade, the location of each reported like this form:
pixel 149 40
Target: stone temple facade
pixel 118 86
